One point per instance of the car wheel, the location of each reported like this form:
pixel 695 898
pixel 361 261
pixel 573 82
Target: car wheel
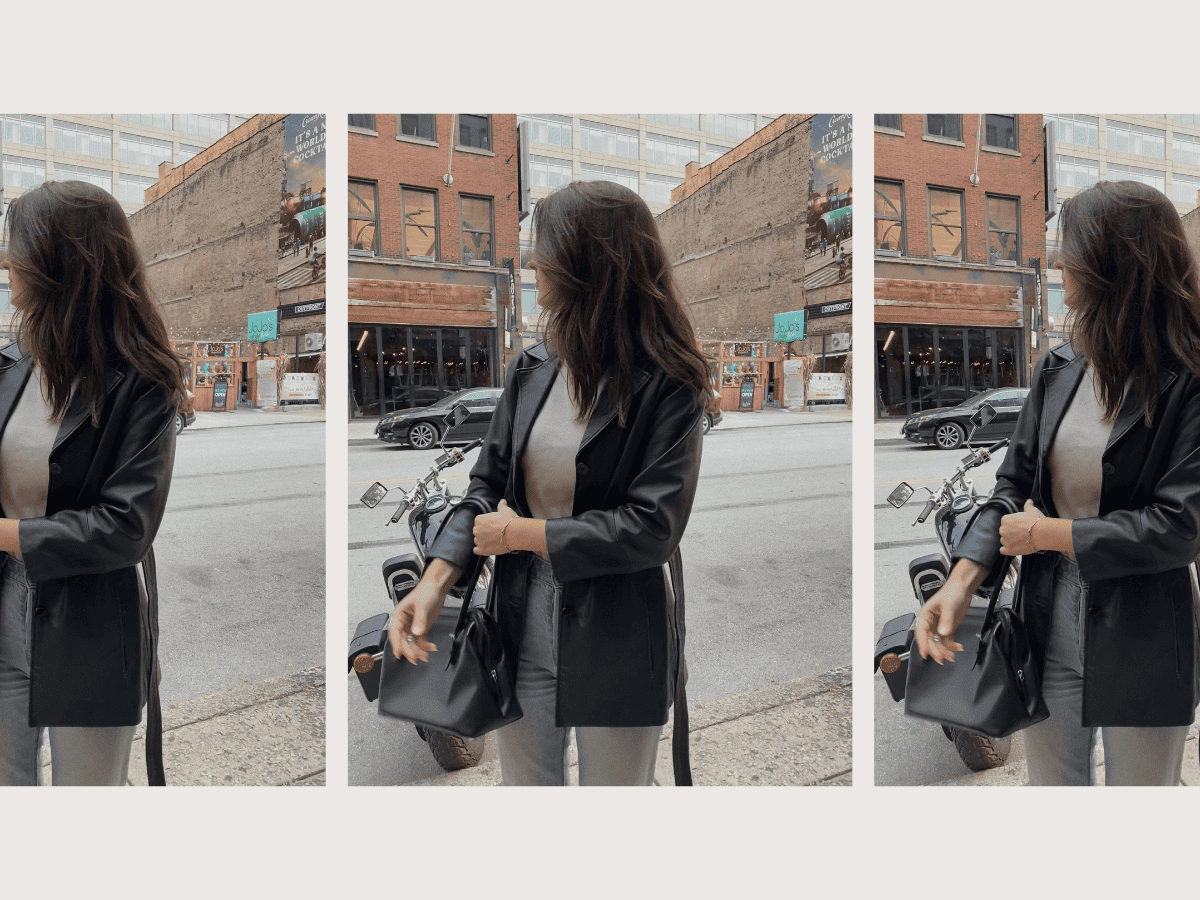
pixel 949 436
pixel 422 435
pixel 180 422
pixel 706 427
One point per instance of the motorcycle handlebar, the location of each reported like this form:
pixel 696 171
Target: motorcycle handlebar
pixel 400 511
pixel 478 442
pixel 929 504
pixel 998 446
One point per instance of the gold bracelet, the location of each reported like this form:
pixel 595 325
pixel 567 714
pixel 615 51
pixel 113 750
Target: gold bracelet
pixel 503 538
pixel 1029 535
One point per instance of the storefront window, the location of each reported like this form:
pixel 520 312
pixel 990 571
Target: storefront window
pixel 364 369
pixel 889 374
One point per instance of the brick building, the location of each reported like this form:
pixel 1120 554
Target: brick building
pixel 960 248
pixel 222 240
pixel 433 245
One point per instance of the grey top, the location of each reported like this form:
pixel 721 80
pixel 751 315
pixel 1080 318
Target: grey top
pixel 1075 458
pixel 25 453
pixel 549 462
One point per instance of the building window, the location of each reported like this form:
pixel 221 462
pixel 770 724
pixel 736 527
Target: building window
pixel 361 120
pixel 186 152
pixel 596 137
pixel 889 120
pixel 418 211
pixel 477 229
pixel 1075 129
pixel 626 177
pixel 671 151
pixel 713 152
pixel 209 126
pixel 99 177
pixel 526 252
pixel 475 131
pixel 659 187
pixel 162 121
pixel 944 125
pixel 82 140
pixel 1184 188
pixel 23 173
pixel 1185 148
pixel 6 307
pixel 1136 140
pixel 675 120
pixel 1056 307
pixel 1076 172
pixel 421 126
pixel 555 131
pixel 1004 230
pixel 547 172
pixel 1188 119
pixel 27 130
pixel 945 223
pixel 735 126
pixel 889 216
pixel 364 217
pixel 1000 131
pixel 531 311
pixel 144 151
pixel 1152 177
pixel 132 188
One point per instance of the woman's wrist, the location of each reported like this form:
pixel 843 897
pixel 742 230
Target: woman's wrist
pixel 524 534
pixel 442 574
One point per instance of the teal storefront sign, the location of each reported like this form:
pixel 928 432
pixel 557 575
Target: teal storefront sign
pixel 789 326
pixel 262 326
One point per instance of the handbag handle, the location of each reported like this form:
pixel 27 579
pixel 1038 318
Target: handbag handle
pixel 997 585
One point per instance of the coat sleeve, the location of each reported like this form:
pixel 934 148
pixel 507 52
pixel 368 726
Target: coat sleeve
pixel 117 531
pixel 455 543
pixel 1014 482
pixel 1160 536
pixel 644 530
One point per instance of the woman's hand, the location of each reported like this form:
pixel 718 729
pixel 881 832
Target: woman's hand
pixel 941 615
pixel 490 537
pixel 412 616
pixel 1016 531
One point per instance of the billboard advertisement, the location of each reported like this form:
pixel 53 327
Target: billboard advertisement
pixel 301 250
pixel 827 252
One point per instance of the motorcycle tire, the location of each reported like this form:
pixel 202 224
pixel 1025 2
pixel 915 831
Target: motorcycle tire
pixel 981 753
pixel 454 753
pixel 422 733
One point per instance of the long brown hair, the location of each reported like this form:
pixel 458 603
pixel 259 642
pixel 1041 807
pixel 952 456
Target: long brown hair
pixel 82 296
pixel 609 297
pixel 1135 301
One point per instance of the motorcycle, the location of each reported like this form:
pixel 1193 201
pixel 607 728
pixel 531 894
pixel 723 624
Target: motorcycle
pixel 954 506
pixel 428 504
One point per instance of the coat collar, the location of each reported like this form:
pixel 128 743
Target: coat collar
pixel 1062 375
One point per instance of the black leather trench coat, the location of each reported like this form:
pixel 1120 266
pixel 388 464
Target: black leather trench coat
pixel 620 640
pixel 1140 645
pixel 94 645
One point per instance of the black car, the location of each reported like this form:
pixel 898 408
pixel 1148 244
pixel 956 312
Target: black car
pixel 422 428
pixel 949 426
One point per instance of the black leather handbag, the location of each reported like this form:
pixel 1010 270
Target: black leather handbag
pixel 993 686
pixel 466 687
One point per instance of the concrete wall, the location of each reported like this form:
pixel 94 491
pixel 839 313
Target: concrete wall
pixel 737 242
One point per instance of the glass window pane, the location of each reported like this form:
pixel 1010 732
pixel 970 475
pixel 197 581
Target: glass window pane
pixel 424 371
pixel 945 221
pixel 922 386
pixel 420 222
pixel 1000 131
pixel 395 367
pixel 476 229
pixel 944 125
pixel 979 360
pixel 23 173
pixel 362 120
pixel 418 126
pixel 888 120
pixel 889 220
pixel 951 389
pixel 889 340
pixel 363 220
pixel 82 140
pixel 596 137
pixel 1002 229
pixel 1008 358
pixel 548 129
pixel 547 172
pixel 736 126
pixel 22 129
pixel 474 131
pixel 364 369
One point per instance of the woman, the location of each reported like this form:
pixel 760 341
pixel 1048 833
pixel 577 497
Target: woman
pixel 1105 462
pixel 88 394
pixel 591 465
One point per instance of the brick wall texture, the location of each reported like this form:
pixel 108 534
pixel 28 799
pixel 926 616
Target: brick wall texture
pixel 210 238
pixel 737 243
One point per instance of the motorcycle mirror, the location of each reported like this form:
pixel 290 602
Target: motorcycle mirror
pixel 983 415
pixel 900 495
pixel 374 494
pixel 458 415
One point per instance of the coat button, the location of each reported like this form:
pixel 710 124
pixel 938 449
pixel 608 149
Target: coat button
pixel 566 610
pixel 55 469
pixel 1109 468
pixel 581 469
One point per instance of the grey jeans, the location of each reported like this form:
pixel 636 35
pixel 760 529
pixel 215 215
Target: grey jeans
pixel 79 756
pixel 533 750
pixel 1058 751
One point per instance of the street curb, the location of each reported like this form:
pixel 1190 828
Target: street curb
pixel 787 733
pixel 1013 774
pixel 254 418
pixel 261 733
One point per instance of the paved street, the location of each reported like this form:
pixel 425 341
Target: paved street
pixel 767 556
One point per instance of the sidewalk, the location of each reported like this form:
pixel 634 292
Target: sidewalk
pixel 1012 773
pixel 790 733
pixel 268 733
pixel 363 430
pixel 245 415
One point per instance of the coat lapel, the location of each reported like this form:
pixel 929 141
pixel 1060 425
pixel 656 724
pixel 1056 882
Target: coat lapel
pixel 1061 382
pixel 1132 412
pixel 14 372
pixel 606 413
